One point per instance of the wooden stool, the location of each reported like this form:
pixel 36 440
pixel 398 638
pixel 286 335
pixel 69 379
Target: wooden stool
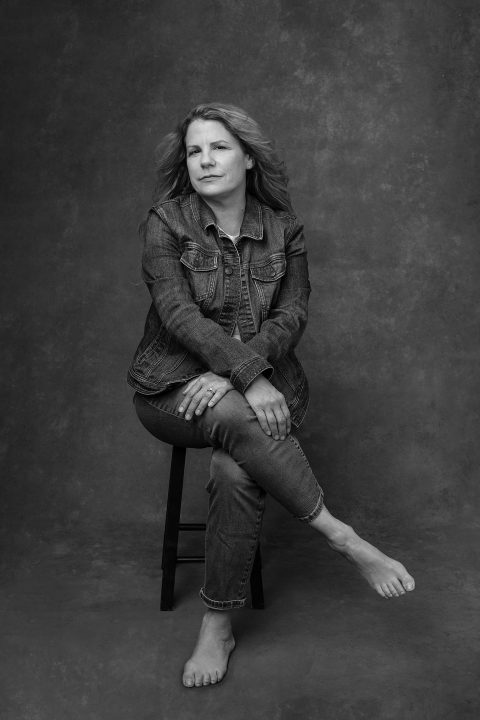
pixel 170 558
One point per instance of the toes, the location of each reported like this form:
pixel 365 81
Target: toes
pixel 408 583
pixel 398 588
pixel 201 679
pixel 379 590
pixel 386 590
pixel 188 681
pixel 216 676
pixel 393 591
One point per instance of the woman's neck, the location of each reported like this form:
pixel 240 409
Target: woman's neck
pixel 228 216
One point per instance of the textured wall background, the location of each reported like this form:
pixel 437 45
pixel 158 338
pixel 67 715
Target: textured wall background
pixel 375 108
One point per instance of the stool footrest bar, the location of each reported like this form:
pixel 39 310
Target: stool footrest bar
pixel 190 558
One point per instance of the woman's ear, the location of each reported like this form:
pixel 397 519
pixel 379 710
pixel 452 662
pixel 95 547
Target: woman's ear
pixel 250 162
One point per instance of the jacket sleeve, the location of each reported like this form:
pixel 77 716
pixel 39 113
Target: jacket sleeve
pixel 170 291
pixel 286 321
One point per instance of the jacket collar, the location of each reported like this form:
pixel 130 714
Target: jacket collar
pixel 252 225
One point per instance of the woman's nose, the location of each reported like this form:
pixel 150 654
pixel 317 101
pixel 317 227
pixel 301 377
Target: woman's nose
pixel 206 158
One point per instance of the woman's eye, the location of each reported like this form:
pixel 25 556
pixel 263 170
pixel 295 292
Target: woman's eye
pixel 220 147
pixel 192 152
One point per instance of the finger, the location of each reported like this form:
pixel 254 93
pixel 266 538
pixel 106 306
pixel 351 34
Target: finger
pixel 193 403
pixel 272 424
pixel 207 396
pixel 218 395
pixel 193 388
pixel 288 421
pixel 281 422
pixel 186 401
pixel 263 421
pixel 191 384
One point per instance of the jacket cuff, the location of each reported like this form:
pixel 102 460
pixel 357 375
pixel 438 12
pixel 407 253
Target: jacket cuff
pixel 242 376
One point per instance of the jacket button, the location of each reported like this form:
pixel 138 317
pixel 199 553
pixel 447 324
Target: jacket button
pixel 228 271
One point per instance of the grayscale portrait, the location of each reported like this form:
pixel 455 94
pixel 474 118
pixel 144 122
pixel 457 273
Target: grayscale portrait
pixel 240 367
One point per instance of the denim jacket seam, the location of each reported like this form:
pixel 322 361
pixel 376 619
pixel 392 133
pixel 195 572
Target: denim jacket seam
pixel 248 371
pixel 236 372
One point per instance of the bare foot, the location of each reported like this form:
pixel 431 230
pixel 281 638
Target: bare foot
pixel 215 643
pixel 385 575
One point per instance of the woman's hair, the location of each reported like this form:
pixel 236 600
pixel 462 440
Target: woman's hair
pixel 266 180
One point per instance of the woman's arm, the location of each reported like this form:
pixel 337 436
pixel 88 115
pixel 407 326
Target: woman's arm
pixel 170 291
pixel 286 321
pixel 279 333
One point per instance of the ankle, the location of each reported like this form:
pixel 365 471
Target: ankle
pixel 219 619
pixel 335 531
pixel 342 537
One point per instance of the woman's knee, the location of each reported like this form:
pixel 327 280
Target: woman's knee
pixel 232 412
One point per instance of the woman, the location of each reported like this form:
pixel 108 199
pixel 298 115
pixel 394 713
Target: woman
pixel 225 262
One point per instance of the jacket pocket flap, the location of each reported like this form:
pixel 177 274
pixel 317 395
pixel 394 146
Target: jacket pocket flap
pixel 272 270
pixel 197 259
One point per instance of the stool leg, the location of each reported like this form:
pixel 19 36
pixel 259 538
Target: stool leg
pixel 256 582
pixel 172 519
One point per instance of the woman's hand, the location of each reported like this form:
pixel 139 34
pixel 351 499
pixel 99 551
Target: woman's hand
pixel 270 408
pixel 203 391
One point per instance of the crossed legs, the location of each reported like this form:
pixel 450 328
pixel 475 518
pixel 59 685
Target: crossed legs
pixel 246 463
pixel 235 514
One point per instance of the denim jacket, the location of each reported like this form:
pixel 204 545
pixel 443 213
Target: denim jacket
pixel 202 285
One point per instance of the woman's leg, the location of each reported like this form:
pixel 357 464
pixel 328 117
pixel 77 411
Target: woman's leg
pixel 387 576
pixel 236 506
pixel 281 469
pixel 233 526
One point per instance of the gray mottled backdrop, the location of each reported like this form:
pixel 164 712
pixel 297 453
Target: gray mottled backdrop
pixel 374 106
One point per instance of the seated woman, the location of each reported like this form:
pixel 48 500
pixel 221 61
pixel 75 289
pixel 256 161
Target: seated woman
pixel 225 263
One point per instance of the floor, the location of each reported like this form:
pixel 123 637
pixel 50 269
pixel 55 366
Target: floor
pixel 83 636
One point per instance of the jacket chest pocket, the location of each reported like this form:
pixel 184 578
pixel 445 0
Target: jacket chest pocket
pixel 267 278
pixel 202 268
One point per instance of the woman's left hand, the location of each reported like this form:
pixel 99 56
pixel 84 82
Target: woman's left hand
pixel 203 391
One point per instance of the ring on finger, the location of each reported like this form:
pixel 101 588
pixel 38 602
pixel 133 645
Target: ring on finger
pixel 210 390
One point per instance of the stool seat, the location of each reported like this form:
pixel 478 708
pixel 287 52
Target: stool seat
pixel 173 526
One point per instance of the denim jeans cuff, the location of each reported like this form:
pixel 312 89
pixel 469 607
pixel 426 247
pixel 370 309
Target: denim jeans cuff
pixel 222 604
pixel 315 512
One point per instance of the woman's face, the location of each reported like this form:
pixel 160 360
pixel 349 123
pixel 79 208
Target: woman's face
pixel 216 162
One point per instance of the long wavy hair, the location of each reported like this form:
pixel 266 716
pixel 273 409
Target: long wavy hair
pixel 266 180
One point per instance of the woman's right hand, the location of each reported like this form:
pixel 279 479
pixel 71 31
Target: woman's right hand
pixel 202 392
pixel 270 407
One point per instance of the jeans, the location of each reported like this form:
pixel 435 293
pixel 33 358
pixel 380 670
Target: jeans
pixel 246 463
